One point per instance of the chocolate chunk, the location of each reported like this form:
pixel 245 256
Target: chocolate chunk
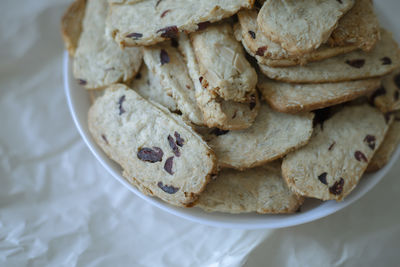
pixel 150 155
pixel 331 146
pixel 168 165
pixel 134 35
pixel 104 138
pixel 252 34
pixel 203 25
pixel 167 188
pixel 173 145
pixel 386 61
pixel 356 63
pixel 82 82
pixel 396 95
pixel 337 187
pixel 370 140
pixel 179 141
pixel 261 50
pixel 169 32
pixel 201 79
pixel 380 91
pixel 322 178
pixel 164 58
pixel 253 102
pixel 158 2
pixel 360 156
pixel 165 12
pixel 120 101
pixel 396 80
pixel 219 132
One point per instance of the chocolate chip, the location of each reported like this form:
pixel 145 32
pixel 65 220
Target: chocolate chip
pixel 158 2
pixel 173 145
pixel 201 79
pixel 169 32
pixel 331 146
pixel 253 102
pixel 356 63
pixel 120 101
pixel 337 187
pixel 164 58
pixel 261 50
pixel 360 156
pixel 165 12
pixel 150 155
pixel 174 42
pixel 104 138
pixel 396 80
pixel 134 35
pixel 252 34
pixel 179 141
pixel 380 91
pixel 370 140
pixel 167 188
pixel 168 165
pixel 203 25
pixel 322 178
pixel 396 95
pixel 82 82
pixel 188 87
pixel 386 61
pixel 219 132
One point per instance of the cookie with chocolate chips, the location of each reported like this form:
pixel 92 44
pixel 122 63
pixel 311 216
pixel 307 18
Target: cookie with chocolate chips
pixel 150 22
pixel 332 163
pixel 260 190
pixel 383 59
pixel 157 151
pixel 98 60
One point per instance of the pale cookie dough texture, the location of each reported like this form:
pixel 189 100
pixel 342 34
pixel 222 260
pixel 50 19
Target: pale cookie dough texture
pixel 293 98
pixel 99 61
pixel 383 59
pixel 387 98
pixel 71 25
pixel 260 190
pixel 332 163
pixel 359 27
pixel 165 62
pixel 148 22
pixel 272 54
pixel 157 151
pixel 388 147
pixel 272 136
pixel 222 63
pixel 149 87
pixel 217 112
pixel 301 26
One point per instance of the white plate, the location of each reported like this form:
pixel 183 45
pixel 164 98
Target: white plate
pixel 78 102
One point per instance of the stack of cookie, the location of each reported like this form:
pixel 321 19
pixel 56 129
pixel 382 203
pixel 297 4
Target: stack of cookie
pixel 190 124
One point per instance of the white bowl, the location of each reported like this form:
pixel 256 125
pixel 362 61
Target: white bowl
pixel 78 102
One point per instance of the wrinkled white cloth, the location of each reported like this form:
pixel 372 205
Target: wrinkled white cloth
pixel 59 207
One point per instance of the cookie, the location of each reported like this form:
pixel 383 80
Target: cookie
pixel 359 27
pixel 272 136
pixel 387 97
pixel 294 98
pixel 260 190
pixel 165 62
pixel 226 115
pixel 222 63
pixel 301 26
pixel 158 152
pixel 71 25
pixel 388 146
pixel 332 163
pixel 149 87
pixel 272 54
pixel 356 65
pixel 143 23
pixel 98 60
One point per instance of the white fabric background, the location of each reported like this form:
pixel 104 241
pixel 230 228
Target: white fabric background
pixel 58 206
